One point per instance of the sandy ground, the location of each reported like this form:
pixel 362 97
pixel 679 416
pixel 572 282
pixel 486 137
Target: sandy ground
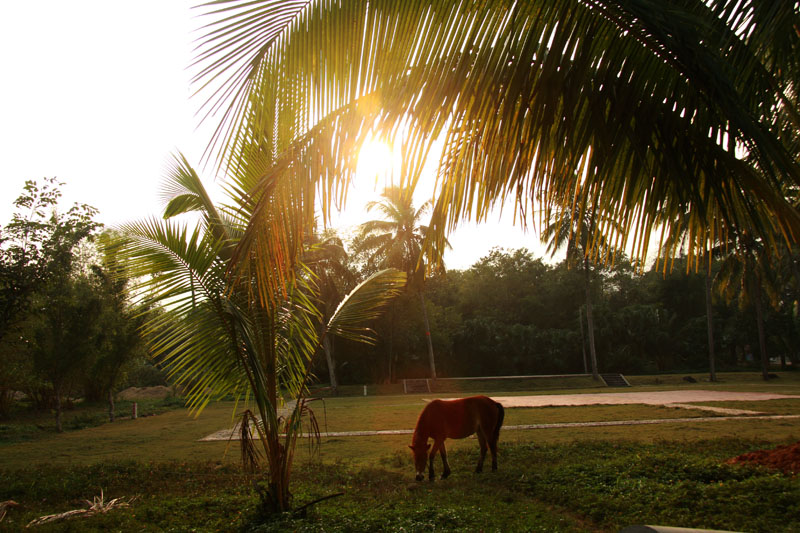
pixel 679 399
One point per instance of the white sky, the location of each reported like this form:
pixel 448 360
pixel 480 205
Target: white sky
pixel 97 94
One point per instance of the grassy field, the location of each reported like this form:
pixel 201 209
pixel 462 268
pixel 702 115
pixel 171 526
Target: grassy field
pixel 559 479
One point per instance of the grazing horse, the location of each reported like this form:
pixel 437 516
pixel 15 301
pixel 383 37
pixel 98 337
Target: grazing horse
pixel 456 419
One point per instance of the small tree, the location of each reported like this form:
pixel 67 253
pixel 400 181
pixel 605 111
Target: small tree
pixel 39 252
pixel 64 332
pixel 218 336
pixel 327 259
pixel 119 339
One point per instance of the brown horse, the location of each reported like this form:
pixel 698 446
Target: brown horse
pixel 456 419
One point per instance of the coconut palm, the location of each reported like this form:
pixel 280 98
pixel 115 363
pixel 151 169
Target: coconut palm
pixel 217 336
pixel 583 232
pixel 747 274
pixel 328 260
pixel 397 241
pixel 660 100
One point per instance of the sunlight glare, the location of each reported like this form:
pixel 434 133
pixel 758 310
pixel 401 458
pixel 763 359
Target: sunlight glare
pixel 376 160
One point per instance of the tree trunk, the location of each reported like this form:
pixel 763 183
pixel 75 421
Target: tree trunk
pixel 327 345
pixel 712 372
pixel 59 427
pixel 589 319
pixel 762 342
pixel 428 335
pixel 391 344
pixel 583 342
pixel 110 404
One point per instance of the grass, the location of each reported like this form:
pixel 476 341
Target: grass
pixel 560 479
pixel 27 424
pixel 582 486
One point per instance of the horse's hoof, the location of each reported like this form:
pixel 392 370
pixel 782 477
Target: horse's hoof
pixel 419 477
pixel 445 475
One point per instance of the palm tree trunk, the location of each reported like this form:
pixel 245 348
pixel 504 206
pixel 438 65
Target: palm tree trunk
pixel 589 319
pixel 428 335
pixel 583 342
pixel 391 344
pixel 110 404
pixel 710 320
pixel 327 345
pixel 762 342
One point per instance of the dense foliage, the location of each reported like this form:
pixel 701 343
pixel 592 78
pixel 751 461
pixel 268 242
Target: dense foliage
pixel 513 314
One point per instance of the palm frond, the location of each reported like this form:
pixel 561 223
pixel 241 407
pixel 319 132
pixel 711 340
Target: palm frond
pixel 365 303
pixel 652 100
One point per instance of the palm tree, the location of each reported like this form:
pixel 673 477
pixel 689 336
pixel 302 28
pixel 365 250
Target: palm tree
pixel 747 274
pixel 657 99
pixel 327 259
pixel 397 241
pixel 581 232
pixel 217 336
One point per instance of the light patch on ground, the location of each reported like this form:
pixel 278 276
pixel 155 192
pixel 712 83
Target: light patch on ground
pixel 646 398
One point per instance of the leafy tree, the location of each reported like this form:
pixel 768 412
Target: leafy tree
pixel 227 330
pixel 39 250
pixel 64 332
pixel 120 340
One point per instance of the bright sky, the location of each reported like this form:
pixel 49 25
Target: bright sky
pixel 97 93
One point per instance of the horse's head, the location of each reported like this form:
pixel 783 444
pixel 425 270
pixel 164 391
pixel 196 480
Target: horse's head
pixel 420 453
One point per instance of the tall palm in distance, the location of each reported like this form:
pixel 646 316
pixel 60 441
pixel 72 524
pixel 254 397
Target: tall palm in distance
pixel 397 240
pixel 748 274
pixel 329 262
pixel 580 230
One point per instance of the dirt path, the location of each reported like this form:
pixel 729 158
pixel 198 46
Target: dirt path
pixel 680 399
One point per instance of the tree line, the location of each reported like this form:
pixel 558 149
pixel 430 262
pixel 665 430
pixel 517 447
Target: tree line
pixel 515 314
pixel 70 327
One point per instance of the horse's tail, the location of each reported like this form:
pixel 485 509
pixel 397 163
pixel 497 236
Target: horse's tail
pixel 501 413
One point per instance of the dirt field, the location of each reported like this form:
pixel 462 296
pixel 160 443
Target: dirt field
pixel 647 398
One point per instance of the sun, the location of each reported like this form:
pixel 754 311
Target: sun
pixel 377 163
pixel 378 167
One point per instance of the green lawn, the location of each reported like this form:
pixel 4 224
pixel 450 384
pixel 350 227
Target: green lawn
pixel 559 479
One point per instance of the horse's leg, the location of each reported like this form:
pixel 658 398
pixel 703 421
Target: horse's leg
pixel 445 465
pixel 434 449
pixel 493 448
pixel 482 442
